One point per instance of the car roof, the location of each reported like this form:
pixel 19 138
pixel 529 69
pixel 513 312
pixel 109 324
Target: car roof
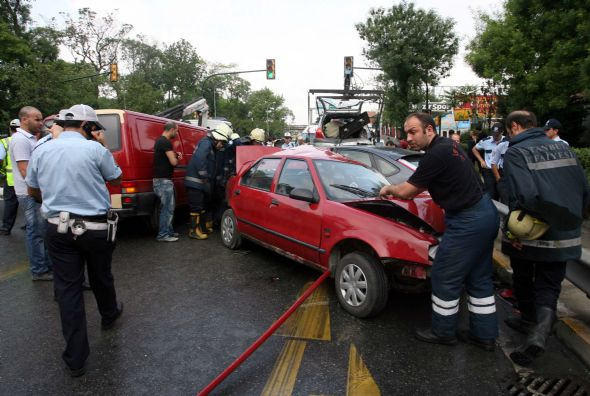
pixel 394 153
pixel 252 153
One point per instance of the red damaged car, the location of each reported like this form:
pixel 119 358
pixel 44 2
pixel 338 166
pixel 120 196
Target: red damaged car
pixel 323 210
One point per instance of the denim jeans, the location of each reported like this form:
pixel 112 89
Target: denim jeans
pixel 35 232
pixel 164 189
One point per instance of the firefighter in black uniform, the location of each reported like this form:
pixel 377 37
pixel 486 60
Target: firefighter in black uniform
pixel 547 183
pixel 464 256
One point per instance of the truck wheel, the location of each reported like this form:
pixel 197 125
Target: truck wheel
pixel 152 221
pixel 230 235
pixel 361 285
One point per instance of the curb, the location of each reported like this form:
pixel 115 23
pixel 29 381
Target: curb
pixel 574 333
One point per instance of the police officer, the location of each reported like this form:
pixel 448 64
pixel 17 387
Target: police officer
pixel 464 256
pixel 547 182
pixel 552 129
pixel 497 162
pixel 10 199
pixel 288 141
pixel 488 145
pixel 68 174
pixel 200 180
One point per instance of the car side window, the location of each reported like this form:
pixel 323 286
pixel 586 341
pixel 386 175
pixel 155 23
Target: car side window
pixel 386 168
pixel 295 174
pixel 260 175
pixel 359 156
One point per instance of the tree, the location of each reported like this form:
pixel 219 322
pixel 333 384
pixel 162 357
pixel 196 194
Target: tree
pixel 94 40
pixel 267 110
pixel 413 47
pixel 539 50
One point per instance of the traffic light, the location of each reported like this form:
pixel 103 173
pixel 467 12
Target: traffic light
pixel 270 69
pixel 348 66
pixel 114 74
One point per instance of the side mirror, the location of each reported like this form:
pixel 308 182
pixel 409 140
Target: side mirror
pixel 303 194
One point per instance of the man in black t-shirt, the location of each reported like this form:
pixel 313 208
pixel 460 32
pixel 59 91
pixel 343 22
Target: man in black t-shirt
pixel 464 256
pixel 165 159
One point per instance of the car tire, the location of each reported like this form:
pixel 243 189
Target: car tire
pixel 366 295
pixel 230 236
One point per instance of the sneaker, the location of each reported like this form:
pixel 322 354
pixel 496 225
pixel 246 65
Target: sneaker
pixel 107 325
pixel 167 238
pixel 45 276
pixel 175 234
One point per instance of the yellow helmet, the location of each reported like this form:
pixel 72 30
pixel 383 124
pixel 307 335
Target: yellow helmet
pixel 257 134
pixel 525 227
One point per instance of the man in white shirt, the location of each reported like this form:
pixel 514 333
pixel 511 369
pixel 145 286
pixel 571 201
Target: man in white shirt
pixel 552 129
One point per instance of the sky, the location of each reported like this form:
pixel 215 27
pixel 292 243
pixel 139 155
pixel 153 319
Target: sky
pixel 308 39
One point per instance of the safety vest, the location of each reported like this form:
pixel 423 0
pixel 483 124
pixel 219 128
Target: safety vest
pixel 7 167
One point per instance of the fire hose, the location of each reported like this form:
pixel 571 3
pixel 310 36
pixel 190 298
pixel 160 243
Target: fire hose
pixel 206 390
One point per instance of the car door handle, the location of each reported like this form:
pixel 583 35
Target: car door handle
pixel 274 202
pixel 237 192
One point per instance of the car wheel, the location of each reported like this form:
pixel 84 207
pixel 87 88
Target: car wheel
pixel 361 284
pixel 230 235
pixel 152 221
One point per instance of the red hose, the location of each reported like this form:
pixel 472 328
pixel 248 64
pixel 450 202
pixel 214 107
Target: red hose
pixel 206 390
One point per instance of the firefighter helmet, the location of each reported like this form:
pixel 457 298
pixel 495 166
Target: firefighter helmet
pixel 257 134
pixel 525 227
pixel 234 136
pixel 221 132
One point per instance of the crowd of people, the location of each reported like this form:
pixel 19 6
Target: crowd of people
pixel 546 191
pixel 59 181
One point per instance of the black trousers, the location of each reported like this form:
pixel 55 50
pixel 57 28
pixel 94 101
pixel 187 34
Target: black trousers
pixel 489 183
pixel 537 283
pixel 198 200
pixel 10 207
pixel 68 256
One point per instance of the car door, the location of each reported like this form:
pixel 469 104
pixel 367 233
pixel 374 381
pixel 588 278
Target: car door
pixel 297 223
pixel 252 200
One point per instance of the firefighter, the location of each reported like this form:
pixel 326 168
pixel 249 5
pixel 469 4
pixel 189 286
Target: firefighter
pixel 200 180
pixel 464 256
pixel 546 185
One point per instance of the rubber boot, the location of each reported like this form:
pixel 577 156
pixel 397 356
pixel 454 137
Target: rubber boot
pixel 195 231
pixel 535 343
pixel 526 321
pixel 208 222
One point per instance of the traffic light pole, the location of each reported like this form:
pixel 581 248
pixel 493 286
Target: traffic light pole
pixel 224 74
pixel 82 78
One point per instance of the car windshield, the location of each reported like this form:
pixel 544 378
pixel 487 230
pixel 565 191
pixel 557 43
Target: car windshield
pixel 345 181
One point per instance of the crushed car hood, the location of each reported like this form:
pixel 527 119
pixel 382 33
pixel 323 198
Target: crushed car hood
pixel 420 213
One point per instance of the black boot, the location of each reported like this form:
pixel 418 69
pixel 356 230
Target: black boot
pixel 523 323
pixel 535 343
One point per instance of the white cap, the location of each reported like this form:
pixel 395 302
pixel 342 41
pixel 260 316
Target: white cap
pixel 15 123
pixel 287 134
pixel 80 112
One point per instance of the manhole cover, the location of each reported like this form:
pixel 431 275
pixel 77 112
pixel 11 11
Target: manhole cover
pixel 541 385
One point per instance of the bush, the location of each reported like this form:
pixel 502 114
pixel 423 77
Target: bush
pixel 584 156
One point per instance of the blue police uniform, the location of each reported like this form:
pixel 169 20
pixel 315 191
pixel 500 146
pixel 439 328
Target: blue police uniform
pixel 71 173
pixel 488 145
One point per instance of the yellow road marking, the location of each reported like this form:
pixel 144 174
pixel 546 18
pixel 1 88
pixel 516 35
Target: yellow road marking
pixel 579 328
pixel 311 321
pixel 284 373
pixel 360 380
pixel 12 272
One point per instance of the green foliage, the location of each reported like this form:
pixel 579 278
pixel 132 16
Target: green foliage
pixel 584 156
pixel 413 47
pixel 538 49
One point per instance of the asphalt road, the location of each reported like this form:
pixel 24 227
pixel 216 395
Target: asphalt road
pixel 192 307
